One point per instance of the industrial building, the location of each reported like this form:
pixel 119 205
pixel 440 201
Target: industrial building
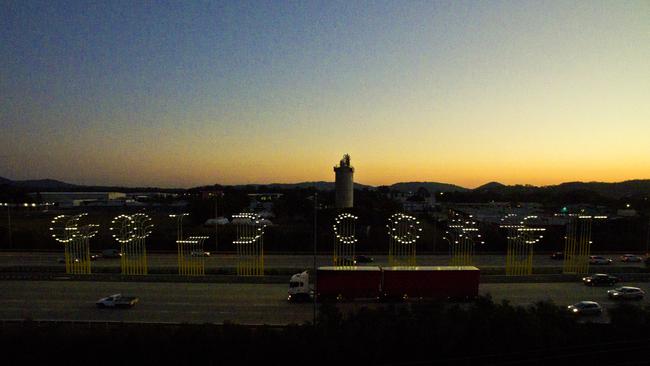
pixel 64 199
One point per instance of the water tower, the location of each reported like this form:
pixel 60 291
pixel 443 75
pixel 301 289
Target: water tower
pixel 344 183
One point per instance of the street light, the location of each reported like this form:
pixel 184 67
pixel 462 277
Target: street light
pixel 8 206
pixel 315 240
pixel 179 224
pixel 448 242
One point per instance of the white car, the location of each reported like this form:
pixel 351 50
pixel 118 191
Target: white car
pixel 586 308
pixel 200 254
pixel 117 301
pixel 626 293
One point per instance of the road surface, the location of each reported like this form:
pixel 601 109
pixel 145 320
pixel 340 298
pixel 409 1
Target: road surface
pixel 217 303
pixel 163 260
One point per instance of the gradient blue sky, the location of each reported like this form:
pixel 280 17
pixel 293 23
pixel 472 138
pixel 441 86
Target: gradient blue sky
pixel 187 93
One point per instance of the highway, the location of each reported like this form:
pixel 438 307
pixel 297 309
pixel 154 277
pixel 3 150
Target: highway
pixel 218 303
pixel 228 260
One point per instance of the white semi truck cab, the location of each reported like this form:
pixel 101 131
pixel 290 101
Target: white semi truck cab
pixel 299 287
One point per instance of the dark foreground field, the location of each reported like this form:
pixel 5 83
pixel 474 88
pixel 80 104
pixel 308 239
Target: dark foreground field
pixel 482 332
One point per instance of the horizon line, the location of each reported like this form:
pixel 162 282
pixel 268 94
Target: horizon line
pixel 324 181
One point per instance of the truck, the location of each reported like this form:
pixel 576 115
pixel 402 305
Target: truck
pixel 299 289
pixel 343 282
pixel 387 283
pixel 117 301
pixel 428 282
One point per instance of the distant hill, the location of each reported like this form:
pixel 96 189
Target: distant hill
pixel 45 183
pixel 630 188
pixel 492 186
pixel 38 183
pixel 638 187
pixel 51 185
pixel 429 186
pixel 320 185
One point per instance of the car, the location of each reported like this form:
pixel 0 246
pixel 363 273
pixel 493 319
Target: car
pixel 585 308
pixel 199 254
pixel 111 253
pixel 117 301
pixel 62 260
pixel 626 293
pixel 596 259
pixel 364 259
pixel 599 279
pixel 94 257
pixel 557 255
pixel 631 258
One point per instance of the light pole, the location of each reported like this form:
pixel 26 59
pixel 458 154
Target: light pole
pixel 179 224
pixel 8 220
pixel 216 223
pixel 647 240
pixel 315 239
pixel 449 242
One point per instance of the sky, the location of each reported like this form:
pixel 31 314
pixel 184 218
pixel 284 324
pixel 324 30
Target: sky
pixel 187 93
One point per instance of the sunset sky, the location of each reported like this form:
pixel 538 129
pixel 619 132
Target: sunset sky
pixel 186 93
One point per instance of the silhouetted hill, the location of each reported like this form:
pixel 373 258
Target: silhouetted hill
pixel 490 186
pixel 320 185
pixel 429 186
pixel 45 183
pixel 630 188
pixel 51 185
pixel 638 187
pixel 38 183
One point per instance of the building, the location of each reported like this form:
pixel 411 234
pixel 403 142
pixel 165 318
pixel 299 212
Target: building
pixel 263 202
pixel 64 199
pixel 209 195
pixel 344 183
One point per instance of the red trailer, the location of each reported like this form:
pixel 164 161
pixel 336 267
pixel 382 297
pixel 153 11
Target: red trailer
pixel 348 282
pixel 430 282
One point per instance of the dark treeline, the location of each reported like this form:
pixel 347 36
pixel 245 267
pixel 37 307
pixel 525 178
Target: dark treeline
pixel 550 197
pixel 482 332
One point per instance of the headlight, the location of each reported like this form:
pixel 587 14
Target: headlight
pixel 575 310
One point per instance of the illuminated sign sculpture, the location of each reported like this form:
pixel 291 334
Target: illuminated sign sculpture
pixel 403 232
pixel 131 232
pixel 344 239
pixel 577 243
pixel 462 236
pixel 76 240
pixel 191 257
pixel 249 244
pixel 521 240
